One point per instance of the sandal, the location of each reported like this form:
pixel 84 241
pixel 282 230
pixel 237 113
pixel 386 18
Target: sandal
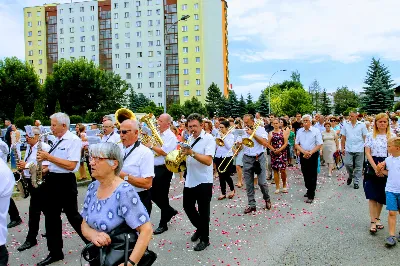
pixel 285 190
pixel 231 195
pixel 373 230
pixel 276 191
pixel 238 185
pixel 222 197
pixel 379 226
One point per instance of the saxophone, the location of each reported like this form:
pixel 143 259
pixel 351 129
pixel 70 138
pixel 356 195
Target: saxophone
pixel 19 176
pixel 37 170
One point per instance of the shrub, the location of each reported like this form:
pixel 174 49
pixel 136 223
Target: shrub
pixel 23 121
pixel 75 119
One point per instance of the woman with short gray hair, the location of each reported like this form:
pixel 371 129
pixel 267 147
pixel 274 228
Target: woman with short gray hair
pixel 109 196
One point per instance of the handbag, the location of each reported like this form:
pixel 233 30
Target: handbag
pixel 338 158
pixel 123 241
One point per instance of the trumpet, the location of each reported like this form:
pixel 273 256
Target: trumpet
pixel 249 141
pixel 220 141
pixel 237 150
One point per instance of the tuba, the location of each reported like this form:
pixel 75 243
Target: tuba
pixel 123 114
pixel 175 161
pixel 155 137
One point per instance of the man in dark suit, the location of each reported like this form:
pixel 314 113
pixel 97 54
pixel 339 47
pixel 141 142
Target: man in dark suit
pixel 7 137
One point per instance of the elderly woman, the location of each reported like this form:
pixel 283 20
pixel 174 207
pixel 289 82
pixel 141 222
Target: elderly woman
pixel 330 145
pixel 110 201
pixel 374 181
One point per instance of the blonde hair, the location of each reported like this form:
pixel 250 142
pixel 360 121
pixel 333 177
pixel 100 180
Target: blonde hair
pixel 379 117
pixel 395 141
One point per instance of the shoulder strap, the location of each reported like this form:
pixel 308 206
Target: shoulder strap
pixel 55 146
pixel 195 142
pixel 137 143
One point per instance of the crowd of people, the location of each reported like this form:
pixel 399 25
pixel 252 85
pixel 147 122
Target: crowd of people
pixel 130 175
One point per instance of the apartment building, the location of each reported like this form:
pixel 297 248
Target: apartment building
pixel 144 41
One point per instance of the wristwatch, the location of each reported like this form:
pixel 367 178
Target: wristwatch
pixel 193 154
pixel 126 178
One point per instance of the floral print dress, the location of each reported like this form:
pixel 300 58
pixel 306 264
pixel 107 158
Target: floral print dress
pixel 278 162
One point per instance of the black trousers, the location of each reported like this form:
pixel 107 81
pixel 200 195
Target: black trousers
pixel 3 255
pixel 309 170
pixel 160 191
pixel 35 209
pixel 145 197
pixel 199 218
pixel 60 193
pixel 13 211
pixel 226 176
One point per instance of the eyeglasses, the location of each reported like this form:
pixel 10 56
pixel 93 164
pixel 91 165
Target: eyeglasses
pixel 123 131
pixel 96 159
pixel 107 126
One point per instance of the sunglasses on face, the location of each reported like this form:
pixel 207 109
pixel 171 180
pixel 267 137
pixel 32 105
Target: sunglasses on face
pixel 123 131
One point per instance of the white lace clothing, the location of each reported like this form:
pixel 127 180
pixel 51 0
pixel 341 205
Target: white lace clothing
pixel 378 145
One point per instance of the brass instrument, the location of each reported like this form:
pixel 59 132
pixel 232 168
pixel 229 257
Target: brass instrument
pixel 249 141
pixel 123 114
pixel 37 170
pixel 155 137
pixel 21 183
pixel 234 155
pixel 175 161
pixel 220 141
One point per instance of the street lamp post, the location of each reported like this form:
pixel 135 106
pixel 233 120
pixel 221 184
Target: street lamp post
pixel 269 89
pixel 183 18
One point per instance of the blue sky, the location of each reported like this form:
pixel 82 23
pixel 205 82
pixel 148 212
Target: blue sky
pixel 331 41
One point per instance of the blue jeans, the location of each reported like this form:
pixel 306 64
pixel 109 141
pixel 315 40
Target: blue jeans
pixel 354 164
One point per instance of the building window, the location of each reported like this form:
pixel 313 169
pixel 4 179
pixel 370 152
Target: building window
pixel 158 63
pixel 39 33
pixel 185 71
pixel 184 28
pixel 116 26
pixel 151 95
pixel 91 8
pixel 196 27
pixel 159 86
pixel 197 49
pixel 139 44
pixel 82 19
pixel 116 36
pixel 127 45
pixel 93 47
pixel 29 33
pixel 127 55
pixel 39 23
pixel 150 53
pixel 127 35
pixel 185 49
pixel 150 33
pixel 115 5
pixel 196 16
pixel 186 60
pixel 137 3
pixel 83 29
pixel 158 43
pixel 116 65
pixel 197 70
pixel 139 75
pixel 116 55
pixel 29 14
pixel 31 62
pixel 197 81
pixel 186 82
pixel 138 13
pixel 158 11
pixel 138 34
pixel 184 7
pixel 40 61
pixel 41 81
pixel 82 9
pixel 139 85
pixel 126 4
pixel 197 38
pixel 61 31
pixel 197 59
pixel 117 46
pixel 198 93
pixel 30 52
pixel 158 32
pixel 93 58
pixel 149 12
pixel 128 75
pixel 61 21
pixel 159 74
pixel 29 43
pixel 138 24
pixel 126 14
pixel 82 38
pixel 186 93
pixel 151 75
pixel 196 6
pixel 29 23
pixel 38 14
pixel 71 49
pixel 128 65
pixel 127 25
pixel 71 40
pixel 71 10
pixel 158 53
pixel 150 43
pixel 150 23
pixel 40 43
pixel 185 38
pixel 71 20
pixel 71 30
pixel 40 71
pixel 92 38
pixel 61 40
pixel 160 93
pixel 149 2
pixel 92 28
pixel 139 54
pixel 115 15
pixel 151 64
pixel 40 51
pixel 92 17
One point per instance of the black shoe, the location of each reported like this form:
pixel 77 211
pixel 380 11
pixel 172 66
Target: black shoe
pixel 195 237
pixel 160 230
pixel 27 245
pixel 309 201
pixel 349 180
pixel 14 223
pixel 356 186
pixel 305 195
pixel 201 246
pixel 249 210
pixel 50 259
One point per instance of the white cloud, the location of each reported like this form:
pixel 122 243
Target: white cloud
pixel 254 77
pixel 254 89
pixel 339 30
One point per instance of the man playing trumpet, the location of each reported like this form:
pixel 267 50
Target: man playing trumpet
pixel 36 201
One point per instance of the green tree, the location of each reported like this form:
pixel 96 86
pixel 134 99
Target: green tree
pixel 75 119
pixel 19 111
pixel 233 104
pixel 22 121
pixel 344 98
pixel 151 108
pixel 175 110
pixel 18 82
pixel 194 106
pixel 296 100
pixel 137 101
pixel 39 110
pixel 379 95
pixel 326 107
pixel 81 86
pixel 250 105
pixel 242 106
pixel 57 108
pixel 263 104
pixel 295 76
pixel 315 93
pixel 396 106
pixel 213 100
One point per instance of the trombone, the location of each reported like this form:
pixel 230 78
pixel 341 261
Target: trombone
pixel 249 141
pixel 234 155
pixel 220 141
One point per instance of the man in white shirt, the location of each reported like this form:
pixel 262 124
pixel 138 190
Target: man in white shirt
pixel 4 150
pixel 109 134
pixel 61 192
pixel 254 162
pixel 162 179
pixel 138 168
pixel 353 139
pixel 309 142
pixel 199 180
pixel 36 201
pixel 6 189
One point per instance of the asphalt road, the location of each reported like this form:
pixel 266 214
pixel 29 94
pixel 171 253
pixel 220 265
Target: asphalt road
pixel 334 230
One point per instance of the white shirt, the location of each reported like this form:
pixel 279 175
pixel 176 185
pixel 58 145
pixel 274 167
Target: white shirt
pixel 140 163
pixel 32 156
pixel 170 144
pixel 226 150
pixel 308 139
pixel 354 136
pixel 112 137
pixel 320 127
pixel 393 181
pixel 258 148
pixel 69 149
pixel 4 150
pixel 7 182
pixel 198 173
